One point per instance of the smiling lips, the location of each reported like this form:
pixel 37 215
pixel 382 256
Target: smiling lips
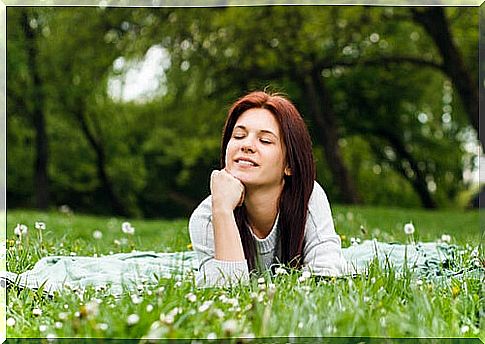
pixel 245 162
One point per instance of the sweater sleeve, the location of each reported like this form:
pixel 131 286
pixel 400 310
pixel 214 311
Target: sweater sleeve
pixel 322 253
pixel 212 272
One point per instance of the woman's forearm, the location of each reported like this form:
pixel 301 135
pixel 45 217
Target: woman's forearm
pixel 227 241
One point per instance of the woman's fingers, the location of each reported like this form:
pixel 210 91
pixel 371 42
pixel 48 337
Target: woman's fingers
pixel 226 190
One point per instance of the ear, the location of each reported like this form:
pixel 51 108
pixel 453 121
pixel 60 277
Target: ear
pixel 287 171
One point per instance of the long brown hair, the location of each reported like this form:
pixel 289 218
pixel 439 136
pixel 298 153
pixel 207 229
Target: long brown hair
pixel 293 203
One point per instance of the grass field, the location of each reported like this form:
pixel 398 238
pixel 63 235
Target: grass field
pixel 378 304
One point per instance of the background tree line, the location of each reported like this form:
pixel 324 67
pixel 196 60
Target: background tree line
pixel 389 95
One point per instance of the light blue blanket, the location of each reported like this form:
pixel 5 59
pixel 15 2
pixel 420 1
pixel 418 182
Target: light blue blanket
pixel 130 270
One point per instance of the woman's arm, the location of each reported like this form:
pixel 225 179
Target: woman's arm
pixel 215 236
pixel 226 192
pixel 322 254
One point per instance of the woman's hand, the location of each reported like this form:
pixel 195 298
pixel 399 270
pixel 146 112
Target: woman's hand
pixel 227 191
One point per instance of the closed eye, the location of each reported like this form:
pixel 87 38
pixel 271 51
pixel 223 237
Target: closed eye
pixel 265 141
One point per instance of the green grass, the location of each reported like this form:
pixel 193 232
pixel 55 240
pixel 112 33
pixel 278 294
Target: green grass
pixel 379 304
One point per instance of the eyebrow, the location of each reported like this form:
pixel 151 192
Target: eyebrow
pixel 261 131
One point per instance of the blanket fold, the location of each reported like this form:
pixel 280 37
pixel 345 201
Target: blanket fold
pixel 130 270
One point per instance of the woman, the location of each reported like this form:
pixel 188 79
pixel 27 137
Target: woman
pixel 265 206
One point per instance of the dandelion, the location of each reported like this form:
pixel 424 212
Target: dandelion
pixel 464 329
pixel 40 225
pixel 65 209
pixel 191 297
pixel 212 336
pixel 455 290
pixel 51 337
pixel 279 271
pixel 20 230
pixel 11 322
pixel 205 306
pixel 218 312
pixel 37 312
pixel 136 299
pixel 409 228
pixel 97 235
pixel 103 326
pixel 229 326
pixel 446 238
pixel 91 309
pixel 132 319
pixel 127 228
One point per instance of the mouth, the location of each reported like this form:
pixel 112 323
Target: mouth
pixel 245 162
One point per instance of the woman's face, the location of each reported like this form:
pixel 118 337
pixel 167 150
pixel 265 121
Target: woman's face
pixel 256 152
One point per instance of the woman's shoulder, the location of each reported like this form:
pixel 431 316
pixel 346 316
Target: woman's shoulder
pixel 203 210
pixel 317 198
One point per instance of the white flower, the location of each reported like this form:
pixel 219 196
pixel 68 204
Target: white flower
pixel 42 328
pixel 373 280
pixel 205 306
pixel 20 230
pixel 103 326
pixel 191 297
pixel 229 326
pixel 92 308
pixel 132 319
pixel 136 299
pixel 97 234
pixel 261 280
pixel 212 336
pixel 40 225
pixel 218 312
pixel 65 209
pixel 10 322
pixel 464 329
pixel 409 228
pixel 419 282
pixel 127 228
pixel 306 274
pixel 446 238
pixel 149 308
pixel 58 325
pixel 279 271
pixel 37 312
pixel 301 279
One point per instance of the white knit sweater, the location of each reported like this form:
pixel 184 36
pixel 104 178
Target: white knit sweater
pixel 322 253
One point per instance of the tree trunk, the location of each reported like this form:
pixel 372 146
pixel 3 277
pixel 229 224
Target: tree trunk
pixel 324 119
pixel 418 182
pixel 434 21
pixel 116 204
pixel 41 180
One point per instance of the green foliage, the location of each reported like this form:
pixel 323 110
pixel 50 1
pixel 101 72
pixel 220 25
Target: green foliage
pixel 160 150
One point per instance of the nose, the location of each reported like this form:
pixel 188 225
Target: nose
pixel 247 146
